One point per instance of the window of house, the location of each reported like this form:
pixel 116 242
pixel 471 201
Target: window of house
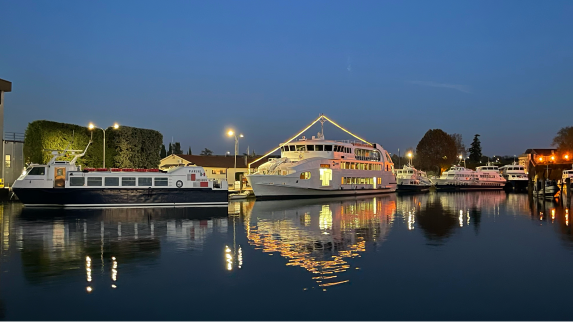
pixel 213 171
pixel 94 181
pixel 161 182
pixel 128 181
pixel 111 181
pixel 77 181
pixel 8 160
pixel 144 182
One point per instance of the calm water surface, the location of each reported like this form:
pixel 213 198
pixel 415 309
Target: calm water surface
pixel 437 256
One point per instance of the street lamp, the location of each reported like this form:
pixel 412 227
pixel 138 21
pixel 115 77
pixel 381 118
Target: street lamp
pixel 92 126
pixel 231 133
pixel 410 156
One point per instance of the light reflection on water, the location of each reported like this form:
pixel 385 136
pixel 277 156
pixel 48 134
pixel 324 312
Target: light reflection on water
pixel 462 248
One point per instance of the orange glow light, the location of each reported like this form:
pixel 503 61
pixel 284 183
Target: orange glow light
pixel 552 158
pixel 566 156
pixel 540 159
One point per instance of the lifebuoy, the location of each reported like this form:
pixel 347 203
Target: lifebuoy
pixel 179 183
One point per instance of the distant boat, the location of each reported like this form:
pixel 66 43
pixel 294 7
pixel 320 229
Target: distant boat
pixel 515 175
pixel 412 179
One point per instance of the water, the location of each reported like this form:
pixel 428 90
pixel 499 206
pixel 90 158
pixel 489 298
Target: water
pixel 437 256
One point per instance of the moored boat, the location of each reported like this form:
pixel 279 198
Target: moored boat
pixel 318 167
pixel 410 179
pixel 516 177
pixel 65 184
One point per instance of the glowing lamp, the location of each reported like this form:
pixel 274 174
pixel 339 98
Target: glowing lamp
pixel 409 154
pixel 566 156
pixel 552 157
pixel 230 133
pixel 115 126
pixel 91 126
pixel 540 159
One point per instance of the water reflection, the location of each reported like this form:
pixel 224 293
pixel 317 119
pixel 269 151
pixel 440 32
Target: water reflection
pixel 320 236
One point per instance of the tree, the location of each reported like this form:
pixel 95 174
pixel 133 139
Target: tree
pixel 564 139
pixel 475 149
pixel 170 151
pixel 460 147
pixel 206 152
pixel 435 151
pixel 163 153
pixel 190 152
pixel 177 148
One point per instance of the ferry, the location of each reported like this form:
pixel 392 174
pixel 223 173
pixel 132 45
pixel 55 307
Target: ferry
pixel 317 167
pixel 412 179
pixel 65 184
pixel 516 176
pixel 461 178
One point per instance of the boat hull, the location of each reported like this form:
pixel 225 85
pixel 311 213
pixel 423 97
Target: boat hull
pixel 273 192
pixel 412 188
pixel 450 187
pixel 517 185
pixel 105 197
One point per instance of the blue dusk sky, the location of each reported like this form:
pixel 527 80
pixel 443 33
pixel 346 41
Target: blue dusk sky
pixel 386 70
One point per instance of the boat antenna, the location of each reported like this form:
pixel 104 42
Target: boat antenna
pixel 322 126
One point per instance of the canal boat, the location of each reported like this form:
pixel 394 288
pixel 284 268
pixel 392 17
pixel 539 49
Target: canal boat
pixel 65 184
pixel 317 167
pixel 410 179
pixel 516 176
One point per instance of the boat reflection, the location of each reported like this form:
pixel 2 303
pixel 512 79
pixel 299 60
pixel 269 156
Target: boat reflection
pixel 54 243
pixel 438 215
pixel 321 236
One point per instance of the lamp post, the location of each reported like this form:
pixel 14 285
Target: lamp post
pixel 91 126
pixel 233 134
pixel 410 157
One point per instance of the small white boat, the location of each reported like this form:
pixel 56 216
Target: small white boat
pixel 551 189
pixel 240 195
pixel 412 180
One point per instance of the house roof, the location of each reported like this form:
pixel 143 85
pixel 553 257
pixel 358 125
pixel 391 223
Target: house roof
pixel 541 151
pixel 221 161
pixel 5 86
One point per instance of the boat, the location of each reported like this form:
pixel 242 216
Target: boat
pixel 318 167
pixel 489 176
pixel 516 176
pixel 240 195
pixel 411 179
pixel 461 178
pixel 65 184
pixel 550 191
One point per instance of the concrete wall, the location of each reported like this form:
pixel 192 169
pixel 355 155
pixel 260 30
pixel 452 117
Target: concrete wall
pixel 14 167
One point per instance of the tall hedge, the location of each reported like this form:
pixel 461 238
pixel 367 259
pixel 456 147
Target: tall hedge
pixel 125 147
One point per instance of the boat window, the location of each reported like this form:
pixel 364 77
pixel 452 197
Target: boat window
pixel 283 149
pixel 77 181
pixel 94 181
pixel 310 147
pixel 292 148
pixel 319 147
pixel 38 171
pixel 128 181
pixel 300 148
pixel 144 182
pixel 161 182
pixel 305 175
pixel 111 181
pixel 328 147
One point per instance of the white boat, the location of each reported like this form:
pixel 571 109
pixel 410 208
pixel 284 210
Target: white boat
pixel 489 175
pixel 65 184
pixel 515 175
pixel 411 179
pixel 240 195
pixel 551 189
pixel 318 167
pixel 461 178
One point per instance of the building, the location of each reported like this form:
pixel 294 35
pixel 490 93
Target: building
pixel 220 167
pixel 5 87
pixel 545 159
pixel 13 147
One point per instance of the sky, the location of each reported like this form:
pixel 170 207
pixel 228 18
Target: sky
pixel 385 70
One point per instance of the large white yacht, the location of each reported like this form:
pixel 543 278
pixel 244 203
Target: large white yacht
pixel 515 175
pixel 319 167
pixel 411 179
pixel 489 175
pixel 461 178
